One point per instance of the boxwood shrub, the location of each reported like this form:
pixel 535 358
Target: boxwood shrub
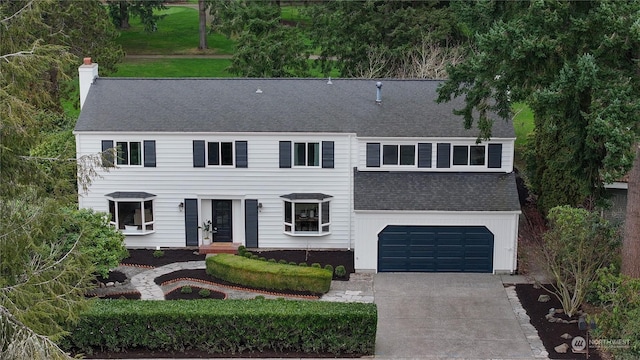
pixel 226 327
pixel 260 274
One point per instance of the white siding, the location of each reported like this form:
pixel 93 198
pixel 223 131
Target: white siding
pixel 174 179
pixel 507 154
pixel 503 225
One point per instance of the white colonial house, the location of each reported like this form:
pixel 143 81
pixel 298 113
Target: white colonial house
pixel 374 166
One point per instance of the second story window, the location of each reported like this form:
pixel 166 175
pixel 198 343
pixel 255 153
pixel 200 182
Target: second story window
pixel 306 154
pixel 399 155
pixel 469 155
pixel 129 153
pixel 220 153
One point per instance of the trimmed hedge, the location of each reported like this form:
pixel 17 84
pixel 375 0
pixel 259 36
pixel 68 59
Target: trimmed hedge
pixel 226 327
pixel 260 274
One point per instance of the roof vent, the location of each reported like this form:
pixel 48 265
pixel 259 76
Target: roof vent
pixel 379 93
pixel 258 91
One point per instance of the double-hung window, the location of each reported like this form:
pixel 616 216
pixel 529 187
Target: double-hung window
pixel 307 214
pixel 132 212
pixel 220 153
pixel 469 155
pixel 129 153
pixel 399 155
pixel 306 154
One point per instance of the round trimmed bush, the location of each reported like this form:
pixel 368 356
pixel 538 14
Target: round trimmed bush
pixel 282 261
pixel 316 265
pixel 204 293
pixel 186 290
pixel 329 267
pixel 341 271
pixel 303 264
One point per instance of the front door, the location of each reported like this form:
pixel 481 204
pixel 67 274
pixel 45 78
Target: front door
pixel 222 221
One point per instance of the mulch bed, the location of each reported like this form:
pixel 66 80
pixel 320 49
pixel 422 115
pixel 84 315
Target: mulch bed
pixel 177 294
pixel 550 332
pixel 144 257
pixel 193 354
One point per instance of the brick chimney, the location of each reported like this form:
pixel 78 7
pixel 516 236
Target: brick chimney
pixel 87 72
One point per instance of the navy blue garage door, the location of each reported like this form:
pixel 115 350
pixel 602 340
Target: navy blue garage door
pixel 435 249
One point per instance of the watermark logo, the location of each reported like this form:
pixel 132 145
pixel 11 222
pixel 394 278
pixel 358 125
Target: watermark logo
pixel 578 343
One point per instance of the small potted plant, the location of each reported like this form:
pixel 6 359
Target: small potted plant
pixel 206 228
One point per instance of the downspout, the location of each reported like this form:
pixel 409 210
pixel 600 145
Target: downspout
pixel 351 210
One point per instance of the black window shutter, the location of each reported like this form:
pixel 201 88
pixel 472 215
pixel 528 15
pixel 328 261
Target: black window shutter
pixel 150 153
pixel 251 223
pixel 107 159
pixel 198 153
pixel 495 156
pixel 373 154
pixel 191 222
pixel 444 155
pixel 424 155
pixel 285 154
pixel 327 154
pixel 242 160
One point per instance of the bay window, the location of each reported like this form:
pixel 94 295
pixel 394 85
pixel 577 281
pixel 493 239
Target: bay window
pixel 307 214
pixel 132 212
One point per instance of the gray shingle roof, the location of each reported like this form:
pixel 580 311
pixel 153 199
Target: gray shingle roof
pixel 285 105
pixel 435 191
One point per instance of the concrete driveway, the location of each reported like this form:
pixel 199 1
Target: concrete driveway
pixel 453 316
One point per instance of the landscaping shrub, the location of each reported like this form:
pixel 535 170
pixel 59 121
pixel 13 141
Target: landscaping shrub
pixel 303 264
pixel 186 290
pixel 577 244
pixel 262 258
pixel 619 297
pixel 247 254
pixel 158 254
pixel 239 270
pixel 341 271
pixel 282 261
pixel 329 267
pixel 293 263
pixel 204 293
pixel 316 265
pixel 272 260
pixel 241 250
pixel 255 257
pixel 226 327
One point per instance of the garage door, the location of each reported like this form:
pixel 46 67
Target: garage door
pixel 435 249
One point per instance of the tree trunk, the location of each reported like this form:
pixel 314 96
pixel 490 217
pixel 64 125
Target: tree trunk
pixel 124 16
pixel 202 9
pixel 631 241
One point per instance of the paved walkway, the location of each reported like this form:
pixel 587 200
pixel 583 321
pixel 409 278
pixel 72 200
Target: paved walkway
pixel 358 289
pixel 420 316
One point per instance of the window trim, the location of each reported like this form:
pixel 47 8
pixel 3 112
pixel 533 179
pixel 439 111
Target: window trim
pixel 307 144
pixel 128 152
pixel 468 162
pixel 141 200
pixel 398 146
pixel 291 223
pixel 233 154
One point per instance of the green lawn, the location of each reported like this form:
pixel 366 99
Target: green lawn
pixel 191 67
pixel 177 34
pixel 162 68
pixel 523 123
